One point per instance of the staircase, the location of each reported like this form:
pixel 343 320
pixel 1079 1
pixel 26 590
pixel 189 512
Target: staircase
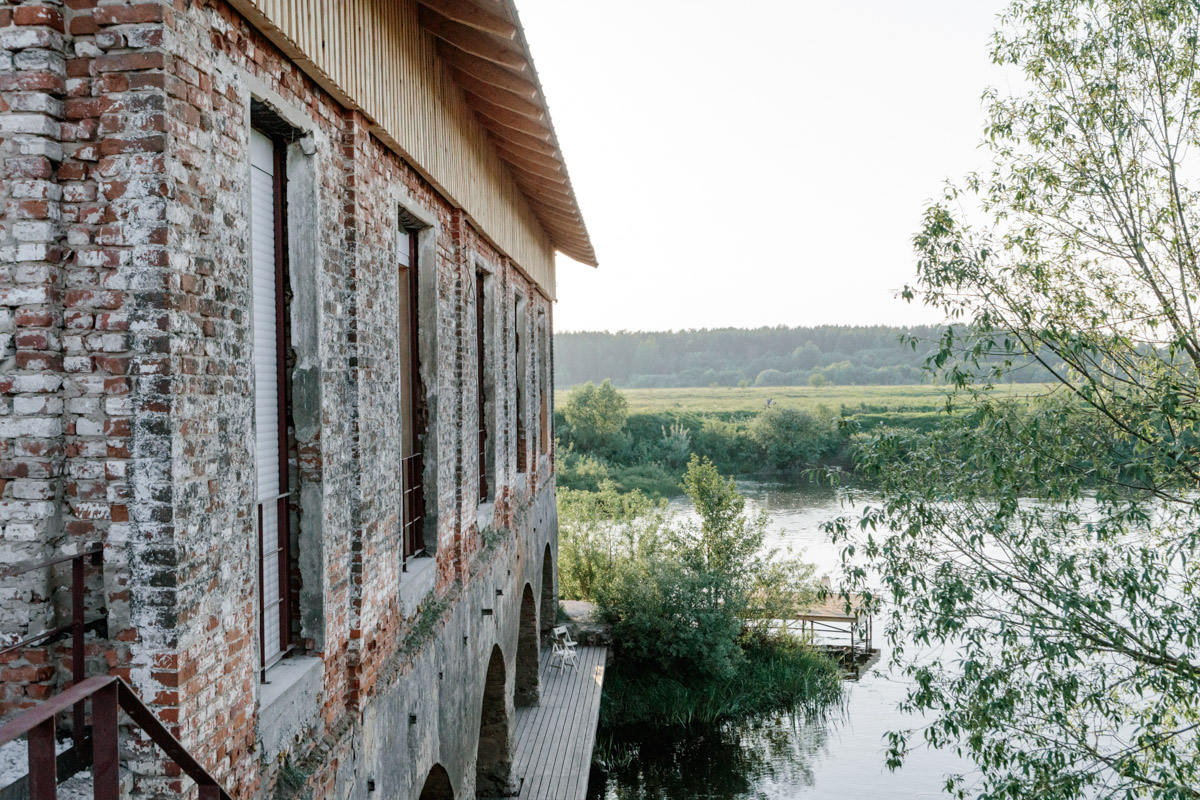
pixel 54 768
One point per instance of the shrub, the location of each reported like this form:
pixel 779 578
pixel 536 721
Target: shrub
pixel 686 603
pixel 676 445
pixel 596 414
pixel 791 438
pixel 665 618
pixel 598 531
pixel 577 470
pixel 770 377
pixel 653 480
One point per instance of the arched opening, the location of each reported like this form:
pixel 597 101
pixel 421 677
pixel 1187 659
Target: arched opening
pixel 437 785
pixel 525 683
pixel 493 760
pixel 549 596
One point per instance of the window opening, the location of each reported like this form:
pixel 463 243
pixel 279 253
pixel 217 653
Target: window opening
pixel 412 407
pixel 519 358
pixel 269 320
pixel 481 380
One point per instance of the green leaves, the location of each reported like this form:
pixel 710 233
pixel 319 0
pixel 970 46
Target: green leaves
pixel 1051 545
pixel 596 414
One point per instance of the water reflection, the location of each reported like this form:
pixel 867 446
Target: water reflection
pixel 781 756
pixel 769 757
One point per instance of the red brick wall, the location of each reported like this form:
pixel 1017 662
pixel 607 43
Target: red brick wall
pixel 126 404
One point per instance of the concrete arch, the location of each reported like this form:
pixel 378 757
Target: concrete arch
pixel 549 605
pixel 437 785
pixel 526 681
pixel 493 759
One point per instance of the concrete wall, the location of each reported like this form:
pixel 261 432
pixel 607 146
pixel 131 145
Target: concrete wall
pixel 126 415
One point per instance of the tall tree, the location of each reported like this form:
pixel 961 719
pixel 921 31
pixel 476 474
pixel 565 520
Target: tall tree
pixel 1052 552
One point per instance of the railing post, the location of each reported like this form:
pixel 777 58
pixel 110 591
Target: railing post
pixel 208 792
pixel 77 661
pixel 106 779
pixel 43 768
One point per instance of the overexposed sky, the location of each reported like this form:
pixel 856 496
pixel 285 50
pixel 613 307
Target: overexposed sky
pixel 757 163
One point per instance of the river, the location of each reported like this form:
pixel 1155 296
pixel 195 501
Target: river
pixel 782 756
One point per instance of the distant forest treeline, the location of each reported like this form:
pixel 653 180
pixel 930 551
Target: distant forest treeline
pixel 844 355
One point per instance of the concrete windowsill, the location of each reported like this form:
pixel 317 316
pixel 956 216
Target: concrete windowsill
pixel 416 582
pixel 287 674
pixel 289 702
pixel 484 514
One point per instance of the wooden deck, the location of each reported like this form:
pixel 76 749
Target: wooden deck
pixel 553 741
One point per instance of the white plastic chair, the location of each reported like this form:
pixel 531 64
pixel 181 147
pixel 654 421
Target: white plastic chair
pixel 563 648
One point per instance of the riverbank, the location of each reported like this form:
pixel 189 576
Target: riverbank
pixel 640 439
pixel 830 753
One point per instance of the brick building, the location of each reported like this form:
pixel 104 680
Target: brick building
pixel 276 311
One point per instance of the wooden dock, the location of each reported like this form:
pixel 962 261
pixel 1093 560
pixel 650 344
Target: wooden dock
pixel 552 751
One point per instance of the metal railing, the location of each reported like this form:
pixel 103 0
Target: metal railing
pixel 107 693
pixel 76 628
pixel 412 471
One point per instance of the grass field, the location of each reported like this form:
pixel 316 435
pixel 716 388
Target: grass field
pixel 920 398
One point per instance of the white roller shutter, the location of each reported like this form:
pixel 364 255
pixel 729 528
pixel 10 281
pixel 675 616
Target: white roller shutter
pixel 266 378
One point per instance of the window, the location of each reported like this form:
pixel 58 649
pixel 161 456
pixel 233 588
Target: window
pixel 412 403
pixel 269 321
pixel 481 380
pixel 543 342
pixel 519 358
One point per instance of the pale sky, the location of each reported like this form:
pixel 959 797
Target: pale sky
pixel 757 163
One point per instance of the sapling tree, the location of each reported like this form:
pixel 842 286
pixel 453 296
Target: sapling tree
pixel 1048 550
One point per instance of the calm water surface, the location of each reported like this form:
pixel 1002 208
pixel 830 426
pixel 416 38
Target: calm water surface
pixel 781 756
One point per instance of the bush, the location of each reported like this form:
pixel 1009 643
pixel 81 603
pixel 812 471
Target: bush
pixel 687 603
pixel 653 480
pixel 665 618
pixel 791 438
pixel 682 605
pixel 598 531
pixel 676 445
pixel 770 377
pixel 596 414
pixel 577 470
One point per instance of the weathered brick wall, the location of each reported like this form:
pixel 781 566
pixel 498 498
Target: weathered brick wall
pixel 126 397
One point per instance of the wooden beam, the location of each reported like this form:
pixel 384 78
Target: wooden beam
pixel 486 71
pixel 546 214
pixel 548 195
pixel 475 42
pixel 561 239
pixel 521 155
pixel 512 119
pixel 533 183
pixel 559 211
pixel 501 97
pixel 555 183
pixel 549 173
pixel 516 138
pixel 471 15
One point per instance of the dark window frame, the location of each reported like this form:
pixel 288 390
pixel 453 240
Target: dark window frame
pixel 283 554
pixel 520 374
pixel 481 375
pixel 412 477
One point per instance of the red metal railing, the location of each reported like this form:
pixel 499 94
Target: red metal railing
pixel 107 693
pixel 77 627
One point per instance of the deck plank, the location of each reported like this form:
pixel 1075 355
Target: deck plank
pixel 553 740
